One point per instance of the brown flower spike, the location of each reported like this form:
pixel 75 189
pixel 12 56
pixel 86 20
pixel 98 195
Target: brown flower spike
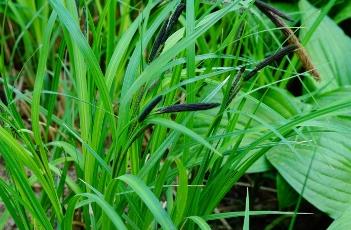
pixel 276 17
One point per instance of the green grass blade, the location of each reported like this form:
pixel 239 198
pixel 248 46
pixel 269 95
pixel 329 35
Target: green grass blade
pixel 107 208
pixel 247 212
pixel 180 128
pixel 91 60
pixel 201 223
pixel 149 199
pixel 182 194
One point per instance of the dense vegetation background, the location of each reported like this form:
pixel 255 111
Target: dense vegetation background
pixel 175 114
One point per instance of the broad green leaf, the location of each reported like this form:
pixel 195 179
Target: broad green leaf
pixel 343 222
pixel 261 165
pixel 328 185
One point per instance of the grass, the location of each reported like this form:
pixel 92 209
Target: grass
pixel 134 115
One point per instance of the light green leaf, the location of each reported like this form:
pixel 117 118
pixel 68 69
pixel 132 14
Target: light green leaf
pixel 106 207
pixel 227 215
pixel 343 222
pixel 71 150
pixel 201 223
pixel 261 165
pixel 328 186
pixel 180 128
pixel 68 22
pixel 247 212
pixel 182 193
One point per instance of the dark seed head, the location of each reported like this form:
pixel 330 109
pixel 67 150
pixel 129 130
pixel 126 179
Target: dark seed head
pixel 166 31
pixel 277 18
pixel 159 41
pixel 235 86
pixel 149 108
pixel 187 107
pixel 281 53
pixel 173 20
pixel 267 9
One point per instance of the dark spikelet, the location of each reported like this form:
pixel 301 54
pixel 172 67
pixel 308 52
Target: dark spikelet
pixel 165 31
pixel 187 107
pixel 277 56
pixel 173 20
pixel 158 42
pixel 149 108
pixel 235 86
pixel 267 9
pixel 281 53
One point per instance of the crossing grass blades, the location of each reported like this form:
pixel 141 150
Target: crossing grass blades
pixel 151 114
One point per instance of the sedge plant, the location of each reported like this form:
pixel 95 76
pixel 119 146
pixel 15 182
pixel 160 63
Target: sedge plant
pixel 137 114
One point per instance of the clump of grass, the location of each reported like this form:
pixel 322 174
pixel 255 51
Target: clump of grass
pixel 73 97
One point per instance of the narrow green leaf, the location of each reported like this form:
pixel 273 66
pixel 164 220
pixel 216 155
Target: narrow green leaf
pixel 182 193
pixel 182 129
pixel 106 207
pixel 247 211
pixel 91 60
pixel 201 223
pixel 149 199
pixel 227 215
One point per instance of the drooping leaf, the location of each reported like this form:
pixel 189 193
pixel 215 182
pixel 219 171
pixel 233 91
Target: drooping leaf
pixel 90 198
pixel 201 223
pixel 328 186
pixel 184 130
